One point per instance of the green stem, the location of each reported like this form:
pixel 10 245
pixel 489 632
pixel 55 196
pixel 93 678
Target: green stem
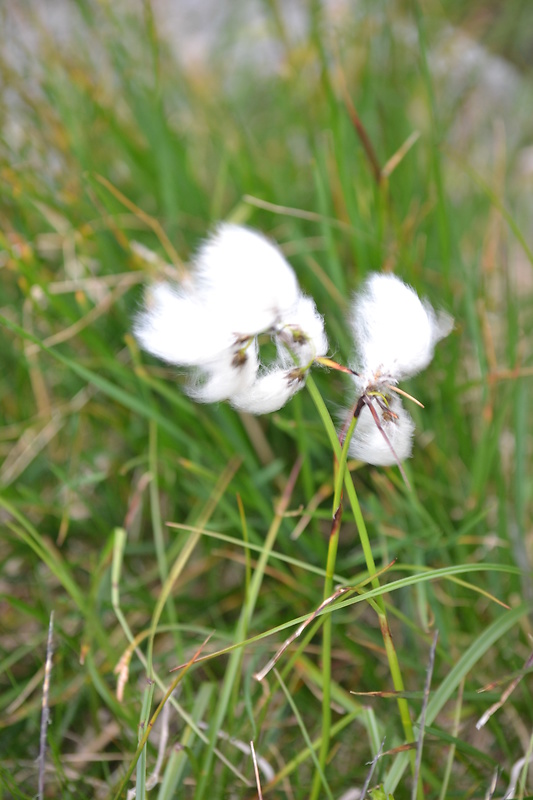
pixel 343 476
pixel 326 660
pixel 327 630
pixel 159 543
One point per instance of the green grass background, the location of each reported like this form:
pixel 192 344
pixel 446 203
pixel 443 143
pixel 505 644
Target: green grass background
pixel 110 140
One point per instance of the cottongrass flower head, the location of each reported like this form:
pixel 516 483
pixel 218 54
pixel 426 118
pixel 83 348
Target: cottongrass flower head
pixel 395 335
pixel 240 288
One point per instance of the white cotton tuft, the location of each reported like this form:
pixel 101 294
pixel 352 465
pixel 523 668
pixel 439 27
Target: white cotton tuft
pixel 233 372
pixel 175 327
pixel 442 322
pixel 241 275
pixel 395 332
pixel 368 443
pixel 301 335
pixel 240 286
pixel 269 392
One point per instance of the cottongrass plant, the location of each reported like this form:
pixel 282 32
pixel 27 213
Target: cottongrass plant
pixel 242 288
pixel 112 152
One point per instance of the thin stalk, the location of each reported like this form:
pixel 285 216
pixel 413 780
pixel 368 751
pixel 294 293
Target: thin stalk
pixel 327 629
pixel 455 734
pixel 45 707
pixel 159 539
pixel 392 657
pixel 140 771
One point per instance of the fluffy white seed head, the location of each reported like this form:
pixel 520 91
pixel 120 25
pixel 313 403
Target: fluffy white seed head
pixel 301 334
pixel 269 393
pixel 174 327
pixel 244 277
pixel 395 332
pixel 233 372
pixel 240 286
pixel 368 443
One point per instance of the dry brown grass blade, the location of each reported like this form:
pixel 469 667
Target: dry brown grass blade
pixel 400 154
pixel 151 222
pixel 505 695
pixel 261 675
pixel 88 319
pixel 299 213
pixel 36 437
pixel 405 394
pixel 136 499
pixel 329 362
pixel 359 127
pixel 45 712
pixel 256 772
pixel 338 593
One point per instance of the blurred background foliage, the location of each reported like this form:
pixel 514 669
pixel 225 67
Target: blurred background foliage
pixel 127 132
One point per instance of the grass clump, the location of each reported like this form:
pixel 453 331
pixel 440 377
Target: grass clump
pixel 162 533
